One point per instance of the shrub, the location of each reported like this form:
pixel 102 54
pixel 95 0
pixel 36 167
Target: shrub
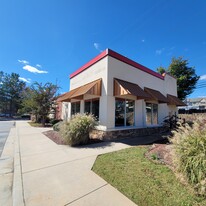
pixel 63 129
pixel 190 154
pixel 56 127
pixel 171 122
pixel 76 132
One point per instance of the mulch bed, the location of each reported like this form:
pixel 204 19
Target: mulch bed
pixel 163 152
pixel 56 137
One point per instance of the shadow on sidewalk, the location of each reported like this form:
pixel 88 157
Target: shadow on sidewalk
pixel 146 140
pixel 96 145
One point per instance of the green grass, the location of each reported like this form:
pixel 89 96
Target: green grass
pixel 144 182
pixel 34 124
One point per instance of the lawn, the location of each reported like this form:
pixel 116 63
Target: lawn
pixel 142 181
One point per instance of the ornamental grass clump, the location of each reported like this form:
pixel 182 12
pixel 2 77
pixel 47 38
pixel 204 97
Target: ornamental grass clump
pixel 76 131
pixel 190 154
pixel 56 126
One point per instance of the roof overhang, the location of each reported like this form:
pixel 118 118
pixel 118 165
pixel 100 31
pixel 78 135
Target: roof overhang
pixel 92 88
pixel 156 95
pixel 124 88
pixel 173 100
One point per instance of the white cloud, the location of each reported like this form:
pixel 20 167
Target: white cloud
pixel 27 80
pixel 38 65
pixel 23 61
pixel 203 77
pixel 159 51
pixel 31 68
pixel 34 70
pixel 97 47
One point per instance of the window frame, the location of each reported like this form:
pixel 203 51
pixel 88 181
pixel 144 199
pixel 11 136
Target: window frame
pixel 91 106
pixel 152 113
pixel 125 112
pixel 75 103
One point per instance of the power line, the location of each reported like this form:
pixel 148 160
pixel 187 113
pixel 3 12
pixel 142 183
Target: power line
pixel 200 87
pixel 201 84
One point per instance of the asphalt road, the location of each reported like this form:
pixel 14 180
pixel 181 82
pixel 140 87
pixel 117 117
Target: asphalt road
pixel 5 127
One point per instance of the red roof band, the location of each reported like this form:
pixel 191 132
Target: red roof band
pixel 109 52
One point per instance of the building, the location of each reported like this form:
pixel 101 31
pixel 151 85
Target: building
pixel 194 105
pixel 121 93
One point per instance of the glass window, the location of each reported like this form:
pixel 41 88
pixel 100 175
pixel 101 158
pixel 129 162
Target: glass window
pixel 87 106
pixel 155 114
pixel 148 113
pixel 72 108
pixel 119 112
pixel 124 112
pixel 75 108
pixel 95 108
pixel 92 107
pixel 129 113
pixel 151 113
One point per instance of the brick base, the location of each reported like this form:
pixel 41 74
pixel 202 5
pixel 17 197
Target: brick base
pixel 112 135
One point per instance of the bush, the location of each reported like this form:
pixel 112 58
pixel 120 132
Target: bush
pixel 171 122
pixel 76 132
pixel 190 154
pixel 56 127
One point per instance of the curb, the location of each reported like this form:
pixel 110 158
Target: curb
pixel 11 188
pixel 7 170
pixel 17 192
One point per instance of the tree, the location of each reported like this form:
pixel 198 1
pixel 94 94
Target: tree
pixel 11 89
pixel 38 99
pixel 161 70
pixel 185 75
pixel 28 103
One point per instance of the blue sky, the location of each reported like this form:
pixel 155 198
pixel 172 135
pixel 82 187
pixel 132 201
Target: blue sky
pixel 48 40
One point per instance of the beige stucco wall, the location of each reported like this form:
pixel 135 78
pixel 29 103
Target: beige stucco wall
pixel 170 84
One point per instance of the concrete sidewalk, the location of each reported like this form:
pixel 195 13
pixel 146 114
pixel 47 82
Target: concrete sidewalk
pixel 49 174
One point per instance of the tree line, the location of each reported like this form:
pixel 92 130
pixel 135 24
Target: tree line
pixel 16 98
